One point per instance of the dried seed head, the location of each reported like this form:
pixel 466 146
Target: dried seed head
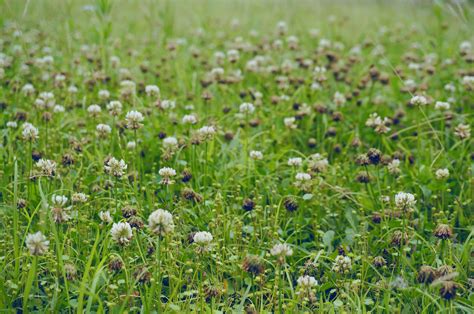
pixel 253 265
pixel 426 274
pixel 443 232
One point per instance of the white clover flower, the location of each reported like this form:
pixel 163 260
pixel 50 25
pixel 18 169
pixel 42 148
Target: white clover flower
pixel 295 161
pixel 121 232
pixel 131 145
pixel 339 99
pixel 37 243
pixel 441 105
pixel 217 73
pixel 161 222
pixel 442 174
pixel 342 264
pixel 290 122
pixel 152 90
pixel 79 197
pixel 170 142
pixel 134 119
pixel 115 168
pixel 58 200
pixel 373 120
pixel 29 133
pixel 207 132
pixel 468 81
pixel 94 110
pixel 47 167
pixel 103 130
pixel 104 94
pixel 114 107
pixel 318 163
pixel 307 282
pixel 58 109
pixel 203 240
pixel 59 212
pixel 394 167
pixel 463 131
pixel 167 104
pixel 256 155
pixel 105 216
pixel 72 89
pixel 189 119
pixel 301 176
pixel 167 173
pixel 28 90
pixel 465 47
pixel 405 201
pixel 281 250
pixel 114 61
pixel 12 124
pixel 247 108
pixel 233 55
pixel 419 101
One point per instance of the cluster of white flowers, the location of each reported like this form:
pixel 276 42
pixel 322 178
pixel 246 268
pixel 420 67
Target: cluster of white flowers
pixel 167 173
pixel 170 142
pixel 307 282
pixel 207 132
pixel 378 124
pixel 121 232
pixel 339 99
pixel 247 108
pixel 419 100
pixel 47 167
pixel 256 155
pixel 94 110
pixel 37 243
pixel 295 161
pixel 167 104
pixel 394 167
pixel 104 94
pixel 463 131
pixel 29 133
pixel 59 211
pixel 134 119
pixel 290 122
pixel 203 239
pixel 281 250
pixel 189 119
pixel 405 201
pixel 161 222
pixel 152 90
pixel 442 174
pixel 115 167
pixel 114 107
pixel 103 130
pixel 105 216
pixel 318 163
pixel 79 197
pixel 342 264
pixel 442 105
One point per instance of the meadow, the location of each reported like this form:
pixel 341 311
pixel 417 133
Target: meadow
pixel 236 156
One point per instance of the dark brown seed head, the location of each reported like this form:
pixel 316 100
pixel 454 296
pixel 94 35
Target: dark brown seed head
pixel 374 156
pixel 443 232
pixel 426 274
pixel 291 204
pixel 248 204
pixel 448 289
pixel 379 261
pixel 253 265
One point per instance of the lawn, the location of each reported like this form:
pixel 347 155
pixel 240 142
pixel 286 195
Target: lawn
pixel 241 156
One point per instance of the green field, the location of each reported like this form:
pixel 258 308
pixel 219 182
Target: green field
pixel 236 156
